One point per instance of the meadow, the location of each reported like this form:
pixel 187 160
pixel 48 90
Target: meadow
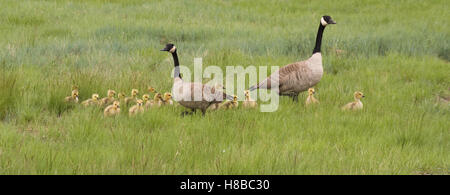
pixel 395 52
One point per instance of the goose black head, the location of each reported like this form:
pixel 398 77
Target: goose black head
pixel 170 48
pixel 327 20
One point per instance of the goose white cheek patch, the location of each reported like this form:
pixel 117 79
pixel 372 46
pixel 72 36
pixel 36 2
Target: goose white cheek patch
pixel 323 22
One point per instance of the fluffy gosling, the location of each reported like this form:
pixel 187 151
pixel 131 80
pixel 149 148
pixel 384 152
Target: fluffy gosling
pixel 355 105
pixel 138 108
pixel 109 98
pixel 156 102
pixel 151 89
pixel 249 102
pixel 134 93
pixel 92 101
pixel 73 98
pixel 310 99
pixel 113 109
pixel 230 104
pixel 167 100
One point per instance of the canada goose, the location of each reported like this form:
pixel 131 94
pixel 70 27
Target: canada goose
pixel 113 109
pixel 190 94
pixel 310 99
pixel 134 93
pixel 299 76
pixel 167 100
pixel 216 106
pixel 248 102
pixel 109 97
pixel 156 102
pixel 355 105
pixel 73 98
pixel 138 108
pixel 92 101
pixel 231 103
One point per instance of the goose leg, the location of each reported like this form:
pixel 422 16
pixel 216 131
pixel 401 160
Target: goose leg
pixel 295 98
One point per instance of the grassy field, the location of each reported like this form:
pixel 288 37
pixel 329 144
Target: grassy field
pixel 396 52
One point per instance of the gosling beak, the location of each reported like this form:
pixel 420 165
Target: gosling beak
pixel 363 96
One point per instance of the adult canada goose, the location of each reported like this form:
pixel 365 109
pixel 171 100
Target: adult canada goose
pixel 91 101
pixel 112 109
pixel 190 94
pixel 134 93
pixel 109 98
pixel 230 103
pixel 248 102
pixel 310 99
pixel 138 108
pixel 299 76
pixel 72 98
pixel 216 106
pixel 355 105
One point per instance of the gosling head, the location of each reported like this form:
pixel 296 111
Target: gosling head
pixel 167 96
pixel 75 93
pixel 121 95
pixel 74 87
pixel 111 93
pixel 139 102
pixel 116 104
pixel 145 97
pixel 158 96
pixel 235 98
pixel 134 92
pixel 325 20
pixel 151 89
pixel 358 95
pixel 247 93
pixel 311 91
pixel 95 96
pixel 170 48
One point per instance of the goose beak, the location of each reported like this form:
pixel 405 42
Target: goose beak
pixel 331 21
pixel 164 49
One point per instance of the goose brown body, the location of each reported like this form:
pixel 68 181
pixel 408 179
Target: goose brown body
pixel 297 77
pixel 192 95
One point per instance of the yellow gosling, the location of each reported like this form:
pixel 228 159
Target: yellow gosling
pixel 121 97
pixel 138 108
pixel 310 99
pixel 156 102
pixel 151 89
pixel 230 104
pixel 249 102
pixel 109 98
pixel 355 105
pixel 92 101
pixel 132 99
pixel 167 100
pixel 73 98
pixel 113 109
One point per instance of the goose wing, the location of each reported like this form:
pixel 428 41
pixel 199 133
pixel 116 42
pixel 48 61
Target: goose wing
pixel 289 75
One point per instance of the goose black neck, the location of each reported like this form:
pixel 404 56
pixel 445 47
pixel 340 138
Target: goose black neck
pixel 176 64
pixel 319 39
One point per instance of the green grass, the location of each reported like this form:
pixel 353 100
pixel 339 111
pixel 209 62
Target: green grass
pixel 396 52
